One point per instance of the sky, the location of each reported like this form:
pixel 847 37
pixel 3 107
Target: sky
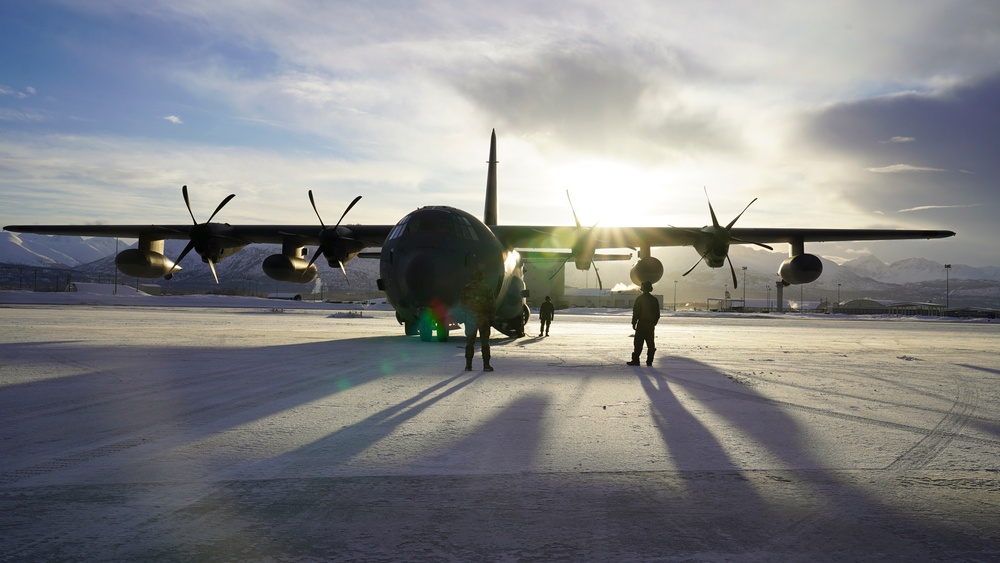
pixel 835 114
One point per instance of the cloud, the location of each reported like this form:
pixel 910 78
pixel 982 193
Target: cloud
pixel 21 95
pixel 17 116
pixel 899 140
pixel 173 119
pixel 895 168
pixel 928 207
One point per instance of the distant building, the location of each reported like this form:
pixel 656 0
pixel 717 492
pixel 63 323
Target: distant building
pixel 604 298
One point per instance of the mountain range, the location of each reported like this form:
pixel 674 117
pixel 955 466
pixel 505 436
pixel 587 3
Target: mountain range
pixel 913 279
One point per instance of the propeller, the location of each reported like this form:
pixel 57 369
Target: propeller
pixel 721 237
pixel 328 237
pixel 200 233
pixel 578 245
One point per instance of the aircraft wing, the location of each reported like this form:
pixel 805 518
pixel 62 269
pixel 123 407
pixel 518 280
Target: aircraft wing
pixel 833 235
pixel 634 237
pixel 370 235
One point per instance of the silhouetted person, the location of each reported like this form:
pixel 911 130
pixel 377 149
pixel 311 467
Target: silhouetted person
pixel 479 302
pixel 645 315
pixel 546 312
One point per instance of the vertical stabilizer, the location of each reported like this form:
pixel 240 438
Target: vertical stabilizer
pixel 490 214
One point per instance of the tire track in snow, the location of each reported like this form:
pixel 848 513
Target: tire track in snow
pixel 950 426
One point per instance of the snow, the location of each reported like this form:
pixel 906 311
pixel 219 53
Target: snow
pixel 226 428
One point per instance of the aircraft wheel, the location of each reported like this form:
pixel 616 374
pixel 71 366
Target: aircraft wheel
pixel 410 328
pixel 525 315
pixel 442 334
pixel 426 331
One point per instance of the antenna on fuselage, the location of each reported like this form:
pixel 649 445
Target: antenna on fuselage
pixel 490 214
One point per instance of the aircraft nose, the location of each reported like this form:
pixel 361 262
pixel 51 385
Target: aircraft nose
pixel 417 276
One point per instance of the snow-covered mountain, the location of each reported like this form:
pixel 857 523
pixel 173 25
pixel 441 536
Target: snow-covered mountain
pixel 915 270
pixel 47 250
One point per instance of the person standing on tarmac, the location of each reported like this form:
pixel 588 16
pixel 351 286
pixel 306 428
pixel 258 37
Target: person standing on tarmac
pixel 479 302
pixel 546 313
pixel 645 315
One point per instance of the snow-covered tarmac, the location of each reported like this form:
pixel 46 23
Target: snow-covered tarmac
pixel 262 433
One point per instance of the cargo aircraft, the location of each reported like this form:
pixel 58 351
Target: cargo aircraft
pixel 430 254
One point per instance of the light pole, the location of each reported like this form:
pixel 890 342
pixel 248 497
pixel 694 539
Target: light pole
pixel 769 299
pixel 675 296
pixel 947 269
pixel 838 294
pixel 744 287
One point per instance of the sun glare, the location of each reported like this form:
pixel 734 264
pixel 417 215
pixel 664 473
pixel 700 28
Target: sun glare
pixel 607 191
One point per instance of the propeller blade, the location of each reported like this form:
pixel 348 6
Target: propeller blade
pixel 573 210
pixel 695 265
pixel 219 208
pixel 315 256
pixel 316 211
pixel 599 284
pixel 733 222
pixel 760 244
pixel 349 207
pixel 715 221
pixel 211 266
pixel 561 266
pixel 347 279
pixel 184 253
pixel 187 202
pixel 732 270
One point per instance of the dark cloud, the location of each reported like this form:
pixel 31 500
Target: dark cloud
pixel 930 159
pixel 596 98
pixel 956 130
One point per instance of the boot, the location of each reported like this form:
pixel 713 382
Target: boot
pixel 649 357
pixel 487 367
pixel 634 361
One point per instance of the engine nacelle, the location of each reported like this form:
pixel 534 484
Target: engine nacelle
pixel 144 263
pixel 646 269
pixel 801 268
pixel 289 269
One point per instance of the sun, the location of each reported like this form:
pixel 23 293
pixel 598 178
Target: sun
pixel 606 191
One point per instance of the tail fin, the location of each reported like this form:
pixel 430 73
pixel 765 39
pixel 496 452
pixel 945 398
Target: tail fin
pixel 490 214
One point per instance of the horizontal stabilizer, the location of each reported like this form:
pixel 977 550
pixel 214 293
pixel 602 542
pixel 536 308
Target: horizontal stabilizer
pixel 563 255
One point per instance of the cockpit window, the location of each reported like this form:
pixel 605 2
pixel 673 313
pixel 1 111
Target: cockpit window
pixel 465 229
pixel 398 229
pixel 443 222
pixel 430 223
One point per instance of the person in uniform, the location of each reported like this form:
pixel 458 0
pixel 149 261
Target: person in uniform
pixel 479 302
pixel 546 313
pixel 645 315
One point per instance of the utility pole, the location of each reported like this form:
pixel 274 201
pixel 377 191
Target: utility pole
pixel 947 292
pixel 675 296
pixel 744 288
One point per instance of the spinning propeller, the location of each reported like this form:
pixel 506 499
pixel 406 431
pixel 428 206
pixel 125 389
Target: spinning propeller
pixel 719 239
pixel 330 239
pixel 579 246
pixel 201 235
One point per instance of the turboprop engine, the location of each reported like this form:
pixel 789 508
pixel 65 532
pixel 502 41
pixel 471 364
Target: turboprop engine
pixel 144 263
pixel 286 268
pixel 646 269
pixel 801 268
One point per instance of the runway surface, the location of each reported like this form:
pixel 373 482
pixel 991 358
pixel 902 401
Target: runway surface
pixel 177 433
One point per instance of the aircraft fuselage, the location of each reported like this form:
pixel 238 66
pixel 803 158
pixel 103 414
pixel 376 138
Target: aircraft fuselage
pixel 429 257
